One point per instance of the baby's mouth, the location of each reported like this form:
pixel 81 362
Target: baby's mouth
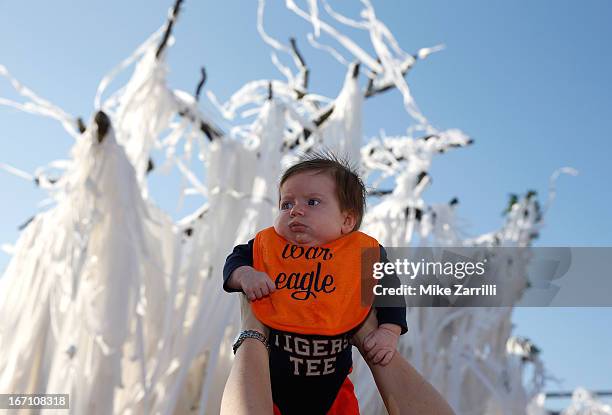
pixel 297 227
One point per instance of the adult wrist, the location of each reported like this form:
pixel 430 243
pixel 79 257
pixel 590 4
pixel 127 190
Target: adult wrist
pixel 250 335
pixel 254 325
pixel 248 320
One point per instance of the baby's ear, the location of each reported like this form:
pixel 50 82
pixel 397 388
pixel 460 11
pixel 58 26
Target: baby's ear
pixel 350 219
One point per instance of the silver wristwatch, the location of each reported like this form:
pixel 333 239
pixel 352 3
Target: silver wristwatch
pixel 250 334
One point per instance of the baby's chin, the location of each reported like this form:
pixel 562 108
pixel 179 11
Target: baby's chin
pixel 296 238
pixel 301 239
pixel 305 240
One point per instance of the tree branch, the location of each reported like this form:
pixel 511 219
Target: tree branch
pixel 210 131
pixel 208 128
pixel 200 84
pixel 371 90
pixel 81 125
pixel 356 70
pixel 302 65
pixel 168 32
pixel 103 124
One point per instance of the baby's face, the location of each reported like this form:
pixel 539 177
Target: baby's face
pixel 310 212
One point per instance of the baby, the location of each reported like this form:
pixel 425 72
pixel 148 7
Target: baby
pixel 304 280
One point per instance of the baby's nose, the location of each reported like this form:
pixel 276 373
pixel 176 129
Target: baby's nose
pixel 296 210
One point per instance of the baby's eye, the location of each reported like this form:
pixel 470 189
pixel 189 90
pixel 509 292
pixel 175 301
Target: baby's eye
pixel 313 202
pixel 286 205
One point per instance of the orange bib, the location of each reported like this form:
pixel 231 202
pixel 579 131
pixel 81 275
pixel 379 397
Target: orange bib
pixel 319 290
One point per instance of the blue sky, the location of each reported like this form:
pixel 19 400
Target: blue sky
pixel 528 80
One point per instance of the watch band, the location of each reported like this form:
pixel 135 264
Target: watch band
pixel 250 334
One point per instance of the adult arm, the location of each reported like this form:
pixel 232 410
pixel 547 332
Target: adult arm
pixel 248 390
pixel 403 390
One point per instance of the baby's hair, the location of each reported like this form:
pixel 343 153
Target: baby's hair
pixel 350 189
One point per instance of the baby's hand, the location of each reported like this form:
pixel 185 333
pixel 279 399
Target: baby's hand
pixel 380 344
pixel 255 284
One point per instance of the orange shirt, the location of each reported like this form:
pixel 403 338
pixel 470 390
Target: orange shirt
pixel 324 290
